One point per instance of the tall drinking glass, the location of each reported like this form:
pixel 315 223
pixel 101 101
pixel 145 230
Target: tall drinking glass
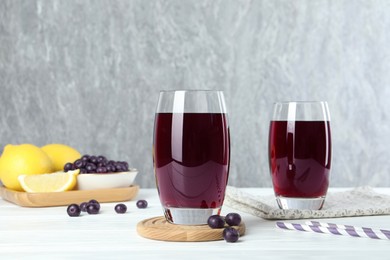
pixel 300 154
pixel 191 154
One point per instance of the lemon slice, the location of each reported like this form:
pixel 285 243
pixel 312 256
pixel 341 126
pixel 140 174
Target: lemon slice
pixel 49 182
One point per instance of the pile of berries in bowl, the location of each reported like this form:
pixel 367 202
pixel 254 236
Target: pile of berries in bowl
pixel 97 172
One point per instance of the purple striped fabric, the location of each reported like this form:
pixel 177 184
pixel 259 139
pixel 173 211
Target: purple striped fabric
pixel 386 233
pixel 370 233
pixel 334 231
pixel 316 229
pixel 281 225
pixel 352 232
pixel 298 227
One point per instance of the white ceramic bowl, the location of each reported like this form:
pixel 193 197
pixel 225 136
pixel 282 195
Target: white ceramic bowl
pixel 92 181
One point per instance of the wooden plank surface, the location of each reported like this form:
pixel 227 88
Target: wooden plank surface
pixel 158 228
pixel 48 199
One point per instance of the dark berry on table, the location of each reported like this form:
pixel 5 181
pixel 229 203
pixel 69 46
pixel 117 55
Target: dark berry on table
pixel 93 208
pixel 73 210
pixel 233 219
pixel 68 167
pixel 230 234
pixel 94 202
pixel 120 208
pixel 141 204
pixel 216 221
pixel 83 206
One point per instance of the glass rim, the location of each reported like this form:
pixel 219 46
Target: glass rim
pixel 301 102
pixel 190 90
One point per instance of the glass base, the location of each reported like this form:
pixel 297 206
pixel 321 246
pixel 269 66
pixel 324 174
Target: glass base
pixel 189 216
pixel 300 203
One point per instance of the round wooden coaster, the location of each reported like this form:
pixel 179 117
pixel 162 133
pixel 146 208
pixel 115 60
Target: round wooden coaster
pixel 158 228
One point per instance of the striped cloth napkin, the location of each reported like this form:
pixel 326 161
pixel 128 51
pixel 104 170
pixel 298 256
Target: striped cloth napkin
pixel 360 201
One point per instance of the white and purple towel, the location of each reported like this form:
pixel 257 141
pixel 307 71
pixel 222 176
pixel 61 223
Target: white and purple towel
pixel 361 201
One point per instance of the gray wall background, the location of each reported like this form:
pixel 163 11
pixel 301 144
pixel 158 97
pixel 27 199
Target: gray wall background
pixel 88 74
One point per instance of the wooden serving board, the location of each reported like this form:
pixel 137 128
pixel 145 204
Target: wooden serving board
pixel 48 199
pixel 158 228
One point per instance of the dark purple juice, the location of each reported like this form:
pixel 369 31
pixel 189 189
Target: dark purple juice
pixel 191 159
pixel 300 157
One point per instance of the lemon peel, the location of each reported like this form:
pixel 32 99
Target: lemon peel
pixel 60 154
pixel 21 159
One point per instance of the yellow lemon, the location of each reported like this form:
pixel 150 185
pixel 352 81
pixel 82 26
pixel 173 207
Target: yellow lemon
pixel 49 182
pixel 61 154
pixel 21 159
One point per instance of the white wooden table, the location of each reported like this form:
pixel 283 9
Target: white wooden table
pixel 49 233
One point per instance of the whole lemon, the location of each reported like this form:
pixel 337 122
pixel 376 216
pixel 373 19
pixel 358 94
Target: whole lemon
pixel 22 159
pixel 60 154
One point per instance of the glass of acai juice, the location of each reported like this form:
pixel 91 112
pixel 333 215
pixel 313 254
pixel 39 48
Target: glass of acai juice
pixel 300 153
pixel 191 154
